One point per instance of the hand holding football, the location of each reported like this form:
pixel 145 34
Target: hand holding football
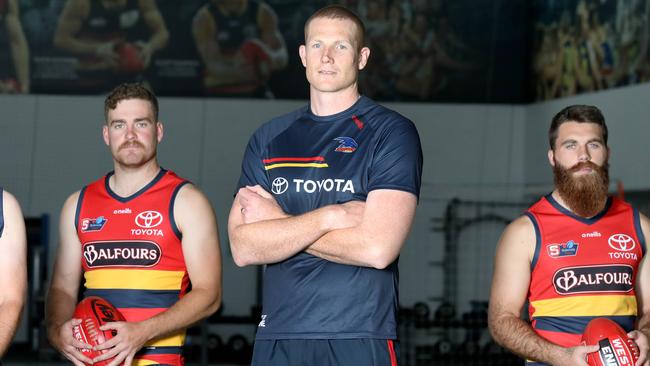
pixel 95 312
pixel 616 348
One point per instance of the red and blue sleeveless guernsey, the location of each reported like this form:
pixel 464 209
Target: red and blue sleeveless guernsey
pixel 583 269
pixel 132 255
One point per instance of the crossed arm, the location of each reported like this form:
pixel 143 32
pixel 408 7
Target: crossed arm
pixel 377 240
pixel 367 234
pixel 13 270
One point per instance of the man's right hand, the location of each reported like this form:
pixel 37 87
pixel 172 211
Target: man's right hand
pixel 63 340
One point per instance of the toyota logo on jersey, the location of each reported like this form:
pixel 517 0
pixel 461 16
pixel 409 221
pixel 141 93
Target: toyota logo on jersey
pixel 148 219
pixel 621 242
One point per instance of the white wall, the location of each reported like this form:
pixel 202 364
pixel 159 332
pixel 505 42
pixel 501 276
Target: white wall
pixel 626 113
pixel 52 146
pixel 471 152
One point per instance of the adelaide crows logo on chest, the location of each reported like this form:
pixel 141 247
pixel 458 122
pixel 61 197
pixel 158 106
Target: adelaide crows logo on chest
pixel 346 145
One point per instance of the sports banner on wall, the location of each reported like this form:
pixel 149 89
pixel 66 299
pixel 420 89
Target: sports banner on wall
pixel 584 46
pixel 459 51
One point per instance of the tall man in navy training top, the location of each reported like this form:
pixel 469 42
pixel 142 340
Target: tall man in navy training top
pixel 326 199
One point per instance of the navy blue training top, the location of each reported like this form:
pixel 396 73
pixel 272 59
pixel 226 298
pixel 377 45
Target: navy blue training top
pixel 306 162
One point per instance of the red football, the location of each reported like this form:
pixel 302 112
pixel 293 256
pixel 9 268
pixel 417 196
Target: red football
pixel 254 51
pixel 130 60
pixel 616 348
pixel 95 312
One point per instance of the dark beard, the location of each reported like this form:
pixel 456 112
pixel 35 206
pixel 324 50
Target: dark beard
pixel 585 195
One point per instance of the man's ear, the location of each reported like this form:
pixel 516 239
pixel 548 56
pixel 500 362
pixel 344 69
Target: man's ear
pixel 105 134
pixel 301 53
pixel 551 157
pixel 160 131
pixel 364 55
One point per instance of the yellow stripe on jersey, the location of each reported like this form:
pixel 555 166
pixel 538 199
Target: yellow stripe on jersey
pixel 296 165
pixel 135 279
pixel 143 362
pixel 602 305
pixel 175 340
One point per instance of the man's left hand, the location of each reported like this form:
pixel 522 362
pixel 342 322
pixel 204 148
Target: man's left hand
pixel 130 338
pixel 641 340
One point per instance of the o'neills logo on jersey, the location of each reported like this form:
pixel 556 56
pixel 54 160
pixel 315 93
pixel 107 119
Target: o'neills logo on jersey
pixel 593 234
pixel 281 185
pixel 121 253
pixel 575 280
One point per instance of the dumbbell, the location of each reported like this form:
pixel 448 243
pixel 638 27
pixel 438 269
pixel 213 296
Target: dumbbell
pixel 444 314
pixel 421 313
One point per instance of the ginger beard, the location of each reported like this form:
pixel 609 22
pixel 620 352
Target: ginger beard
pixel 586 195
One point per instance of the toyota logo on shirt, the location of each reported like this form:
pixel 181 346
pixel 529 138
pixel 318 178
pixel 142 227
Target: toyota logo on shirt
pixel 279 185
pixel 621 242
pixel 148 219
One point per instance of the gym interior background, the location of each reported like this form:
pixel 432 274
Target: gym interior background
pixel 484 162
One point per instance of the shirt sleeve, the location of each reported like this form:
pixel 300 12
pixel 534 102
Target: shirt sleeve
pixel 252 170
pixel 397 161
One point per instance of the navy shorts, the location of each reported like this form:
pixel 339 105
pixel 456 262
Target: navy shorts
pixel 326 352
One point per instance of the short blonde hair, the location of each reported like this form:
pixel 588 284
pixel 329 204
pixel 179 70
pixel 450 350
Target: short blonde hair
pixel 340 12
